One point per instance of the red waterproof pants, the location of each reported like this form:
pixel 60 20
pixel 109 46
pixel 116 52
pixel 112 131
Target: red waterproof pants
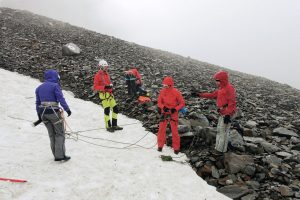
pixel 161 135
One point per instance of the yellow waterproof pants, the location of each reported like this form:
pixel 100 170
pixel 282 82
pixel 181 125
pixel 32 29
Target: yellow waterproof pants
pixel 108 103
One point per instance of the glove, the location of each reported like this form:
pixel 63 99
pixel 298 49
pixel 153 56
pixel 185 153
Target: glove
pixel 194 94
pixel 69 112
pixel 159 110
pixel 166 109
pixel 173 110
pixel 107 87
pixel 227 119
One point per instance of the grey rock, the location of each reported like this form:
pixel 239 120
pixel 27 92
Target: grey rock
pixel 235 163
pixel 281 131
pixel 296 123
pixel 70 49
pixel 250 124
pixel 252 196
pixel 234 191
pixel 236 140
pixel 215 172
pixel 283 154
pixel 253 184
pixel 285 191
pixel 296 171
pixel 270 148
pixel 296 147
pixel 273 160
pixel 249 170
pixel 183 129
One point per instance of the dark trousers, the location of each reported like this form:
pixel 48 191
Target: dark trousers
pixel 55 127
pixel 132 88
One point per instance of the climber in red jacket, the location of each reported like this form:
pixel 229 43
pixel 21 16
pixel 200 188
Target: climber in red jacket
pixel 103 85
pixel 226 103
pixel 169 102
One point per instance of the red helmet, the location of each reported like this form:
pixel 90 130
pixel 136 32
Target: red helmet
pixel 168 81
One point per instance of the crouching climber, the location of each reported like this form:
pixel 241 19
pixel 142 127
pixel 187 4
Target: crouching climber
pixel 134 82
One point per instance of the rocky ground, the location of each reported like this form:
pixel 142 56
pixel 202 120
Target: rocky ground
pixel 264 164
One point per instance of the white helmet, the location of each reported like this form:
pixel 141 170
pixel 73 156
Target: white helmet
pixel 102 63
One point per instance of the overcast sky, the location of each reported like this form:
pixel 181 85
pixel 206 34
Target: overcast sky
pixel 260 37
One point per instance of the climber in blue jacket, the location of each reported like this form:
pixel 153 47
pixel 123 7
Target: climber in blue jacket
pixel 48 97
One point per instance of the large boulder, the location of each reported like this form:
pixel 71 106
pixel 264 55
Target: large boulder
pixel 70 49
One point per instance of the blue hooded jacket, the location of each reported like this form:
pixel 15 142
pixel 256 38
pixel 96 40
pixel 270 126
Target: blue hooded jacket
pixel 50 91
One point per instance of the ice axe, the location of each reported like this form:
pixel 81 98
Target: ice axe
pixel 36 122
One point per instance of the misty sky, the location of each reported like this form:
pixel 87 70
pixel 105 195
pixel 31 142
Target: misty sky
pixel 260 37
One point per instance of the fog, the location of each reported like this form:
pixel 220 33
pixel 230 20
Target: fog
pixel 260 37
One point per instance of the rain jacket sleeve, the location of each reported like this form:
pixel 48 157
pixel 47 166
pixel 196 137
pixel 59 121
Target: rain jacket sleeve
pixel 212 95
pixel 160 102
pixel 60 98
pixel 37 102
pixel 180 100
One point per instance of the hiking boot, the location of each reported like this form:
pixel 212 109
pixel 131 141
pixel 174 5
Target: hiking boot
pixel 110 129
pixel 159 149
pixel 176 151
pixel 117 128
pixel 65 158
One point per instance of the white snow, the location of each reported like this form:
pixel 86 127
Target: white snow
pixel 93 172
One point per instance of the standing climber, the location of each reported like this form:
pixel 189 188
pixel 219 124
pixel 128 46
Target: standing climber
pixel 170 101
pixel 226 103
pixel 48 98
pixel 103 85
pixel 134 82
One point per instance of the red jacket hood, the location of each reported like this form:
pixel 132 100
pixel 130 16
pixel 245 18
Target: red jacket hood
pixel 168 81
pixel 222 76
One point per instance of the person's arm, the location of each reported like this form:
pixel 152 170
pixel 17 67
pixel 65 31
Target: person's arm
pixel 180 101
pixel 37 102
pixel 160 101
pixel 208 95
pixel 60 98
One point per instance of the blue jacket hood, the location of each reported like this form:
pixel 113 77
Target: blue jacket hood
pixel 51 76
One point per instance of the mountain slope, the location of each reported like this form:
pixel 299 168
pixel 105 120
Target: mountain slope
pixel 31 43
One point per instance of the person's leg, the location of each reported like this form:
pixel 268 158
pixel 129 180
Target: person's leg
pixel 106 106
pixel 175 136
pixel 59 135
pixel 133 86
pixel 161 135
pixel 51 133
pixel 128 86
pixel 222 135
pixel 115 111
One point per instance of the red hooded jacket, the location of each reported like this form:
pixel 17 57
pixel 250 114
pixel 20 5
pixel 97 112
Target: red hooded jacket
pixel 170 97
pixel 225 95
pixel 101 79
